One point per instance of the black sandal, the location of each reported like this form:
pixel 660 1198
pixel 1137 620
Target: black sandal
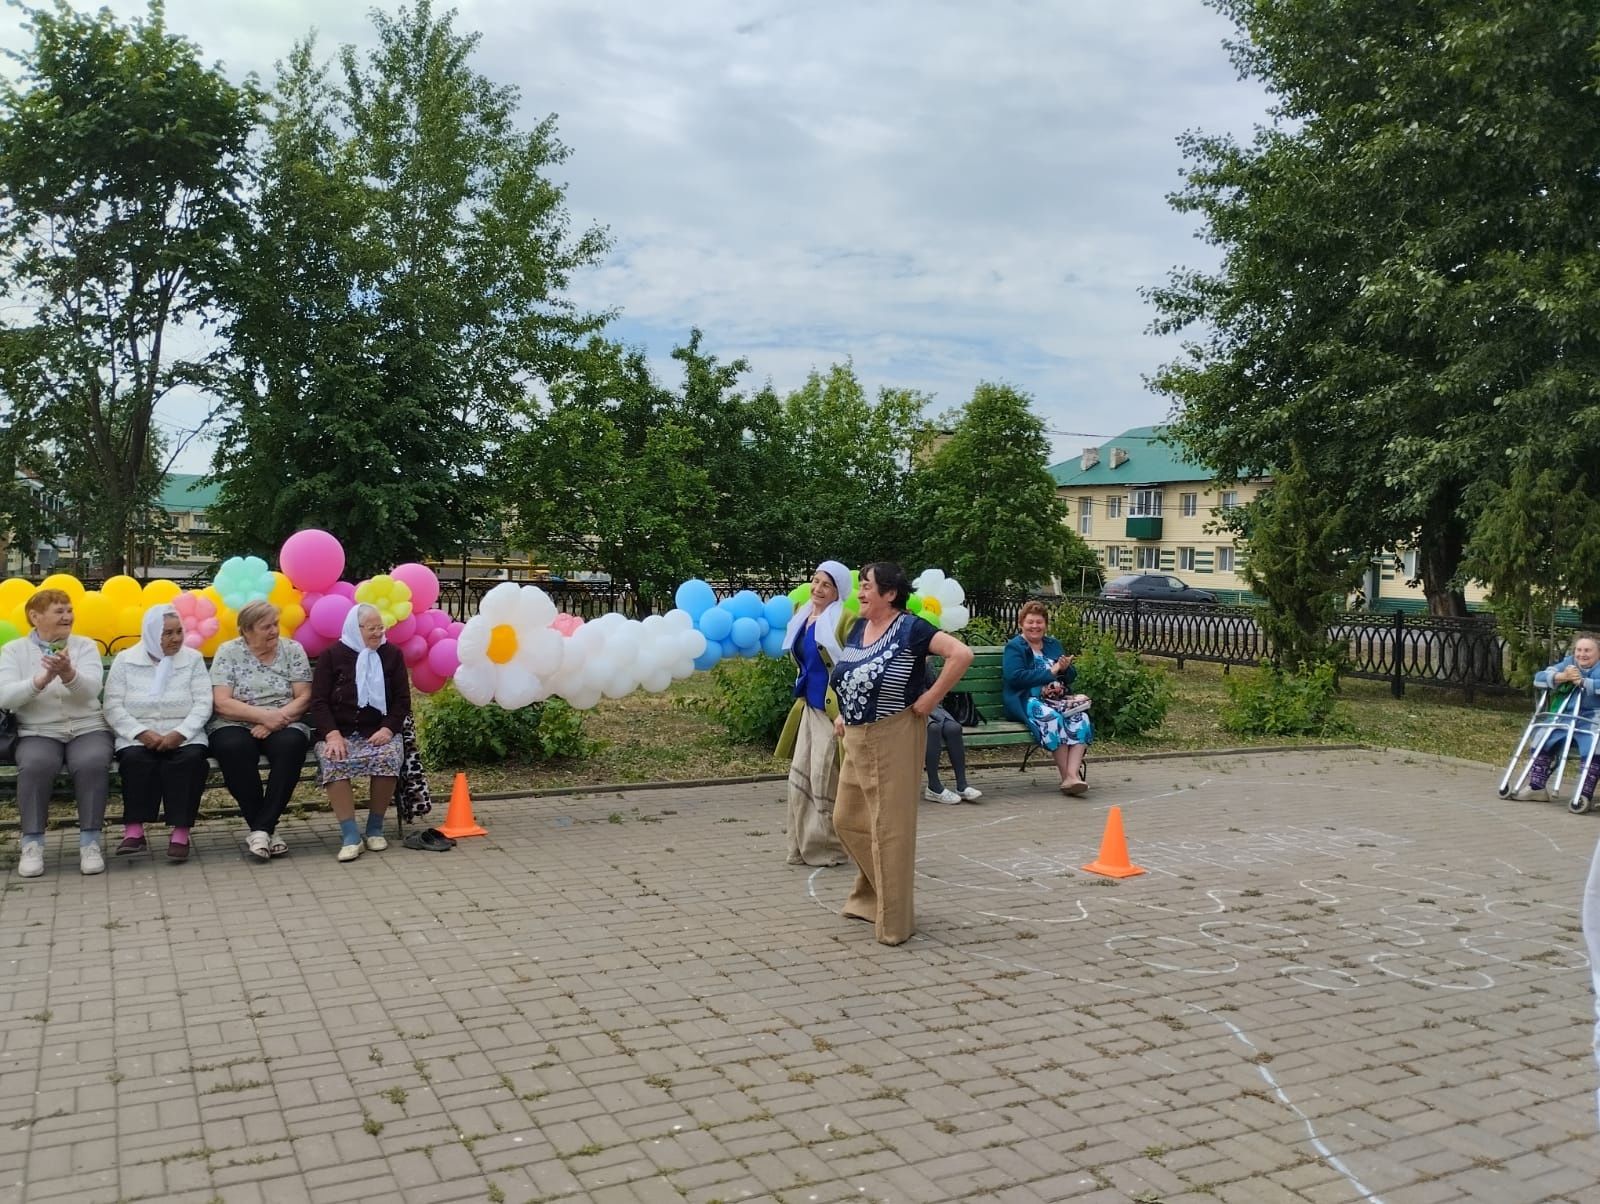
pixel 431 840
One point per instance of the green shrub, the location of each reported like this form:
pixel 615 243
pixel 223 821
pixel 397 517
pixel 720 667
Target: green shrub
pixel 1271 702
pixel 1066 624
pixel 452 731
pixel 753 697
pixel 983 632
pixel 1130 697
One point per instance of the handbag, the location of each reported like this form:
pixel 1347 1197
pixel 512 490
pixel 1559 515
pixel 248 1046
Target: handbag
pixel 8 738
pixel 963 709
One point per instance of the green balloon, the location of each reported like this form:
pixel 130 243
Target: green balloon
pixel 8 632
pixel 914 604
pixel 800 595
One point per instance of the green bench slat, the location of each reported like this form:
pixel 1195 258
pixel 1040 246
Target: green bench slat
pixel 984 680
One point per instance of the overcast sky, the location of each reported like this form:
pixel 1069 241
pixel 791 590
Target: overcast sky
pixel 945 192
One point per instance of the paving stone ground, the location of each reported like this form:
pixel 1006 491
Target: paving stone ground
pixel 1346 976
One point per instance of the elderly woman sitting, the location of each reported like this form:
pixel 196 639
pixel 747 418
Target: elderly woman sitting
pixel 360 698
pixel 158 698
pixel 261 688
pixel 1032 662
pixel 50 680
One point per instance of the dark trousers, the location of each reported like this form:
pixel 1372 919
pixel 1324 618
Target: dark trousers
pixel 238 753
pixel 945 733
pixel 173 778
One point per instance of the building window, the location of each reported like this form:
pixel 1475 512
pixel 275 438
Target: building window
pixel 1146 503
pixel 1224 560
pixel 1085 515
pixel 1188 504
pixel 1229 499
pixel 1114 506
pixel 1114 555
pixel 1186 560
pixel 1147 557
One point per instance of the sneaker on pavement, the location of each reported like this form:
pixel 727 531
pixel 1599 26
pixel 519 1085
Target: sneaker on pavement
pixel 377 843
pixel 941 796
pixel 32 863
pixel 91 860
pixel 259 845
pixel 349 852
pixel 971 794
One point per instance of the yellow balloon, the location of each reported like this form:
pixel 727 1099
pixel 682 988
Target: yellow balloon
pixel 290 618
pixel 932 608
pixel 158 591
pixel 66 582
pixel 94 616
pixel 283 592
pixel 130 622
pixel 18 618
pixel 122 590
pixel 14 591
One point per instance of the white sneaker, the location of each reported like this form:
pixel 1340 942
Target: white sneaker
pixel 32 863
pixel 377 843
pixel 940 796
pixel 971 794
pixel 259 845
pixel 349 852
pixel 91 860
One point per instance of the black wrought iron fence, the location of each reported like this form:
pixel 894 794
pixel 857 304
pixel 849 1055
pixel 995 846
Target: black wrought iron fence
pixel 1467 654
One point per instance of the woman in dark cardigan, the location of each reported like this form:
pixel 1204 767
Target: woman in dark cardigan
pixel 360 697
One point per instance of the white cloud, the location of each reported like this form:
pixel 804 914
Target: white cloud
pixel 946 192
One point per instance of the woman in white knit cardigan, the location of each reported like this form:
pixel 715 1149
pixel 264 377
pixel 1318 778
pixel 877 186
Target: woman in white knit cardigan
pixel 158 698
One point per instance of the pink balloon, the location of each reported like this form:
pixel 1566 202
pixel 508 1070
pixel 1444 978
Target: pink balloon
pixel 443 658
pixel 342 589
pixel 209 628
pixel 312 640
pixel 311 559
pixel 193 639
pixel 415 649
pixel 437 634
pixel 425 679
pixel 566 624
pixel 455 629
pixel 327 617
pixel 423 581
pixel 403 630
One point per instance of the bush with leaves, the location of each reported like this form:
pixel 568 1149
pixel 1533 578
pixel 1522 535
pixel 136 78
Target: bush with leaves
pixel 1067 625
pixel 452 732
pixel 1273 702
pixel 1130 697
pixel 752 699
pixel 983 632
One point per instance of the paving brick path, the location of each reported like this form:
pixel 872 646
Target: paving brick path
pixel 1347 976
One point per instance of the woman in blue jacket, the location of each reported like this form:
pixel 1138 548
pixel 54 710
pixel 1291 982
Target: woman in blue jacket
pixel 1579 671
pixel 1032 661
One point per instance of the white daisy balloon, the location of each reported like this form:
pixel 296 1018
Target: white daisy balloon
pixel 508 648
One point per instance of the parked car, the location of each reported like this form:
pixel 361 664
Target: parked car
pixel 1154 587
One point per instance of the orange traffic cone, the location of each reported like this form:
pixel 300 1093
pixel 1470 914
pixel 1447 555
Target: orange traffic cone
pixel 1113 859
pixel 458 821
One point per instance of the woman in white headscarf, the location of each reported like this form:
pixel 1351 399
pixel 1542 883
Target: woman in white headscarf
pixel 808 738
pixel 360 698
pixel 158 698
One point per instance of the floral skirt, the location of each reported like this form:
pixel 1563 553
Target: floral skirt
pixel 363 759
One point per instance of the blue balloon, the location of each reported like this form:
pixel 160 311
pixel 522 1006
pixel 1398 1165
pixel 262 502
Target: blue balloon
pixel 695 596
pixel 715 624
pixel 709 657
pixel 746 604
pixel 779 610
pixel 729 649
pixel 746 633
pixel 772 643
pixel 763 626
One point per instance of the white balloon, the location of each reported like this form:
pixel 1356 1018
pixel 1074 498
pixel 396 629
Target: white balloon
pixel 537 608
pixel 476 681
pixel 656 680
pixel 473 642
pixel 620 684
pixel 500 605
pixel 623 644
pixel 582 699
pixel 542 651
pixel 955 618
pixel 950 593
pixel 679 620
pixel 517 690
pixel 692 645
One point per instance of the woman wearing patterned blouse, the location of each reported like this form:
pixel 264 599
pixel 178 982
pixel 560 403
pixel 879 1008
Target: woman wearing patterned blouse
pixel 260 689
pixel 883 713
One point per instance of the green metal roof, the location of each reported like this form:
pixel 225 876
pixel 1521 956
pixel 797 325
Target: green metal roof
pixel 1149 462
pixel 183 491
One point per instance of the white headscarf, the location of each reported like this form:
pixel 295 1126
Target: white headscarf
pixel 369 669
pixel 827 627
pixel 150 639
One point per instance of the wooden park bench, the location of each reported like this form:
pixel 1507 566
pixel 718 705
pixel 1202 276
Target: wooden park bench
pixel 984 681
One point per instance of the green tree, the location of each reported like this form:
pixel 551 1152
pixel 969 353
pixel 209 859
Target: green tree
pixel 1301 563
pixel 610 476
pixel 120 163
pixel 410 291
pixel 987 511
pixel 1409 257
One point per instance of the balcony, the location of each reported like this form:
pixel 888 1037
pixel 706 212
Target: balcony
pixel 1144 526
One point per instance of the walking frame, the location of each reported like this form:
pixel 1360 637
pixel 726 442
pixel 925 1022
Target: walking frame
pixel 1559 720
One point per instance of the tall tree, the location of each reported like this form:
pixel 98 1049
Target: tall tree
pixel 1408 256
pixel 987 511
pixel 120 162
pixel 434 297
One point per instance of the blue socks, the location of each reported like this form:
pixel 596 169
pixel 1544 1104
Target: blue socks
pixel 33 838
pixel 87 837
pixel 374 824
pixel 349 831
